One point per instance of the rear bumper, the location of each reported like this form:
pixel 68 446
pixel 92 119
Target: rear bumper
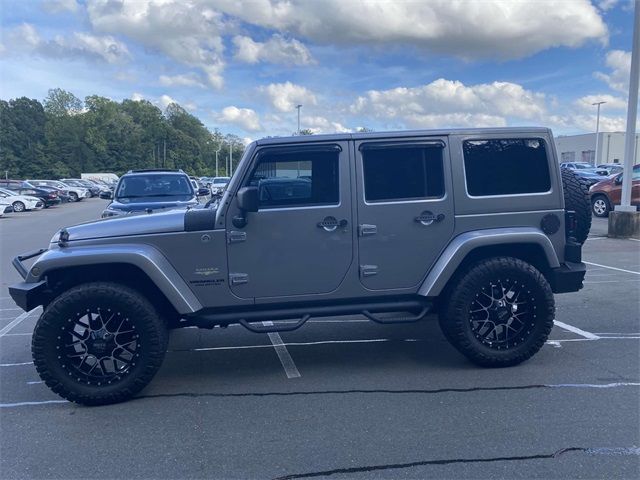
pixel 568 277
pixel 28 295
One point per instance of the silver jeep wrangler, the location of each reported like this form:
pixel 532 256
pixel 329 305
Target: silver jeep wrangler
pixel 480 226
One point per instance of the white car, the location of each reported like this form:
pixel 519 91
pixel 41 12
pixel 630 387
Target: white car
pixel 3 206
pixel 75 193
pixel 20 203
pixel 219 185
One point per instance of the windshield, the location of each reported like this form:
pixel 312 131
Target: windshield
pixel 583 165
pixel 221 181
pixel 7 193
pixel 154 188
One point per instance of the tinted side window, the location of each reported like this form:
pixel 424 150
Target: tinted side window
pixel 297 178
pixel 506 166
pixel 402 172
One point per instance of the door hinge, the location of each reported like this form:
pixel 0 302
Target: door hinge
pixel 236 237
pixel 364 230
pixel 238 278
pixel 368 270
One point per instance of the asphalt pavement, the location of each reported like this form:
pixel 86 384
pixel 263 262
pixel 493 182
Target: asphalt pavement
pixel 341 398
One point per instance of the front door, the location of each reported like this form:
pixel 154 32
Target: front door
pixel 300 240
pixel 405 210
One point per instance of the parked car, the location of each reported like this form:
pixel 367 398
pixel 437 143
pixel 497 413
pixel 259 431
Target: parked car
pixel 611 168
pixel 77 182
pixel 150 190
pixel 20 203
pixel 584 167
pixel 63 195
pixel 479 226
pixel 219 185
pixel 75 193
pixel 591 177
pixel 201 190
pixel 48 197
pixel 5 207
pixel 608 193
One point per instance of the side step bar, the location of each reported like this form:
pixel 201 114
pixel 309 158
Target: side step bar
pixel 252 319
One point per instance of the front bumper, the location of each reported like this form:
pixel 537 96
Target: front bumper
pixel 28 295
pixel 49 202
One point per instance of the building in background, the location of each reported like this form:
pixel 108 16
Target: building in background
pixel 581 148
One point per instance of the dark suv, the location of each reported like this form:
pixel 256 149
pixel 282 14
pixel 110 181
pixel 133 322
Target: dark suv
pixel 149 190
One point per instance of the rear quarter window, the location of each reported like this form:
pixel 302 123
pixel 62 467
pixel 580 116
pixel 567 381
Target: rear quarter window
pixel 512 166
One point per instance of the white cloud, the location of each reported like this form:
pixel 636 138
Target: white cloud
pixel 187 32
pixel 137 97
pixel 185 80
pixel 612 103
pixel 165 101
pixel 245 118
pixel 57 6
pixel 619 62
pixel 26 39
pixel 285 96
pixel 277 49
pixel 490 28
pixel 318 124
pixel 605 5
pixel 452 103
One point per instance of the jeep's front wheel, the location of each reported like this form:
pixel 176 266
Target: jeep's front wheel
pixel 499 312
pixel 99 343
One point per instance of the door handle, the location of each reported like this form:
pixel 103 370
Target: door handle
pixel 427 218
pixel 331 224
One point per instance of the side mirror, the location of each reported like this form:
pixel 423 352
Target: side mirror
pixel 248 199
pixel 248 202
pixel 619 180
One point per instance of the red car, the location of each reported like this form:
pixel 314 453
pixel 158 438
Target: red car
pixel 606 194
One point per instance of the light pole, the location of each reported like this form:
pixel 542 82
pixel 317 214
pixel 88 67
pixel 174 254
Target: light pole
pixel 217 152
pixel 595 156
pixel 298 107
pixel 632 117
pixel 230 159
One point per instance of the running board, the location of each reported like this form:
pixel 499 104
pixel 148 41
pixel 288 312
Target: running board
pixel 254 319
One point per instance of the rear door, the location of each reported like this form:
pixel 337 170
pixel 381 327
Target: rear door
pixel 405 210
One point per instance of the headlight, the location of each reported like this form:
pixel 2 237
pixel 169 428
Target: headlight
pixel 110 213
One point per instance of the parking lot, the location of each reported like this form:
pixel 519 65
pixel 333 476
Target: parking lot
pixel 341 398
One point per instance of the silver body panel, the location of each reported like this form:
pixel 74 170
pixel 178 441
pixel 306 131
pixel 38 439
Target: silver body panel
pixel 281 256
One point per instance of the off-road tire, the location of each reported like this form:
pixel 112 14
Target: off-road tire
pixel 576 198
pixel 456 317
pixel 54 369
pixel 602 208
pixel 18 207
pixel 74 197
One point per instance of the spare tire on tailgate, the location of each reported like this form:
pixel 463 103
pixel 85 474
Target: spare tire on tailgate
pixel 576 198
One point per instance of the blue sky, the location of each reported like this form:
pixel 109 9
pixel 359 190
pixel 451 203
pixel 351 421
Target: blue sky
pixel 243 66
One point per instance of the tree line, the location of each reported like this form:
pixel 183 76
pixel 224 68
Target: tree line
pixel 64 137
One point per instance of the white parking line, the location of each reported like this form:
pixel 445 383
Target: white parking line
pixel 27 404
pixel 576 330
pixel 611 268
pixel 283 354
pixel 18 319
pixel 15 364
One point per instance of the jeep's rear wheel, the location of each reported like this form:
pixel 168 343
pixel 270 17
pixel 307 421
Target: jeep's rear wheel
pixel 99 343
pixel 498 312
pixel 576 198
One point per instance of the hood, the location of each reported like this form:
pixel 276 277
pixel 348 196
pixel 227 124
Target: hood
pixel 155 206
pixel 127 225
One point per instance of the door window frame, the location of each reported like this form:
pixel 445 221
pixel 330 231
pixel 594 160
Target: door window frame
pixel 435 143
pixel 328 147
